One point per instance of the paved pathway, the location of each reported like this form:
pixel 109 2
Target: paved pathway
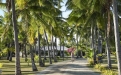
pixel 78 67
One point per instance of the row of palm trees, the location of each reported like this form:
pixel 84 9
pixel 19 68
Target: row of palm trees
pixel 28 18
pixel 98 18
pixel 90 20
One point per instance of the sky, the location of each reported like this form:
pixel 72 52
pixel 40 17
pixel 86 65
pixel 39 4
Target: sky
pixel 1 13
pixel 65 12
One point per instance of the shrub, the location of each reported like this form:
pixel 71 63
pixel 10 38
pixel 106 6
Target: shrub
pixel 66 53
pixel 98 66
pixel 36 58
pixel 109 72
pixel 90 61
pixel 104 70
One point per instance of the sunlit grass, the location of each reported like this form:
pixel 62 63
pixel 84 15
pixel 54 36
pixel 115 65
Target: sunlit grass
pixel 8 67
pixel 104 64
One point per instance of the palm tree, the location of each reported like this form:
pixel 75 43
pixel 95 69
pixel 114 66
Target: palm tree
pixel 52 46
pixel 48 47
pixel 34 68
pixel 12 4
pixel 39 52
pixel 31 40
pixel 117 39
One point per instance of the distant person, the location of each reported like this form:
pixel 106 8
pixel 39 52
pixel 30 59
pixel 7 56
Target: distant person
pixel 71 51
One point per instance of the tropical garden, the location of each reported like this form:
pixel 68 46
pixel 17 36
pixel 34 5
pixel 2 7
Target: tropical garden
pixel 92 27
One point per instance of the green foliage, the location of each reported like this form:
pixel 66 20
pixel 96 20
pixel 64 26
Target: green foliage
pixel 36 58
pixel 98 66
pixel 67 54
pixel 89 54
pixel 0 54
pixel 90 61
pixel 109 72
pixel 3 52
pixel 100 55
pixel 28 61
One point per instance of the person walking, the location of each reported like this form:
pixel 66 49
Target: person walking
pixel 71 51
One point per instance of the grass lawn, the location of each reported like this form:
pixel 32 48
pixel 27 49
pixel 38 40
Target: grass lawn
pixel 8 67
pixel 105 64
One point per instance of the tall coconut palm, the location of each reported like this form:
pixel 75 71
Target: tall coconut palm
pixel 17 60
pixel 117 39
pixel 39 52
pixel 31 39
pixel 48 47
pixel 52 46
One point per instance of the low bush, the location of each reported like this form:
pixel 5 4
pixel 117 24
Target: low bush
pixel 90 61
pixel 104 70
pixel 109 72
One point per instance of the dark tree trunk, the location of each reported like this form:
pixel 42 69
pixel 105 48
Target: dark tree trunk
pixel 48 47
pixel 17 60
pixel 44 53
pixel 99 47
pixel 34 68
pixel 63 49
pixel 53 50
pixel 22 53
pixel 77 43
pixel 55 59
pixel 94 56
pixel 39 52
pixel 8 54
pixel 60 48
pixel 107 38
pixel 25 52
pixel 10 58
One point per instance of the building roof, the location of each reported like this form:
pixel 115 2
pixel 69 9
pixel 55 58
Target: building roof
pixel 58 48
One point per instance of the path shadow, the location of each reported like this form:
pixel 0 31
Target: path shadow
pixel 75 69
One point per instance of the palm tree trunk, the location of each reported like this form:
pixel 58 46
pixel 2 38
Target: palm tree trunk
pixel 34 68
pixel 17 60
pixel 99 43
pixel 60 48
pixel 22 51
pixel 44 52
pixel 94 46
pixel 10 58
pixel 77 43
pixel 108 54
pixel 63 49
pixel 53 50
pixel 8 54
pixel 92 37
pixel 117 38
pixel 99 46
pixel 48 47
pixel 39 52
pixel 107 39
pixel 25 52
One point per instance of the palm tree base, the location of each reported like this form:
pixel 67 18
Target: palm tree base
pixel 34 70
pixel 45 58
pixel 42 63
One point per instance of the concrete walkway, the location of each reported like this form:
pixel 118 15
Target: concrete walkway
pixel 78 67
